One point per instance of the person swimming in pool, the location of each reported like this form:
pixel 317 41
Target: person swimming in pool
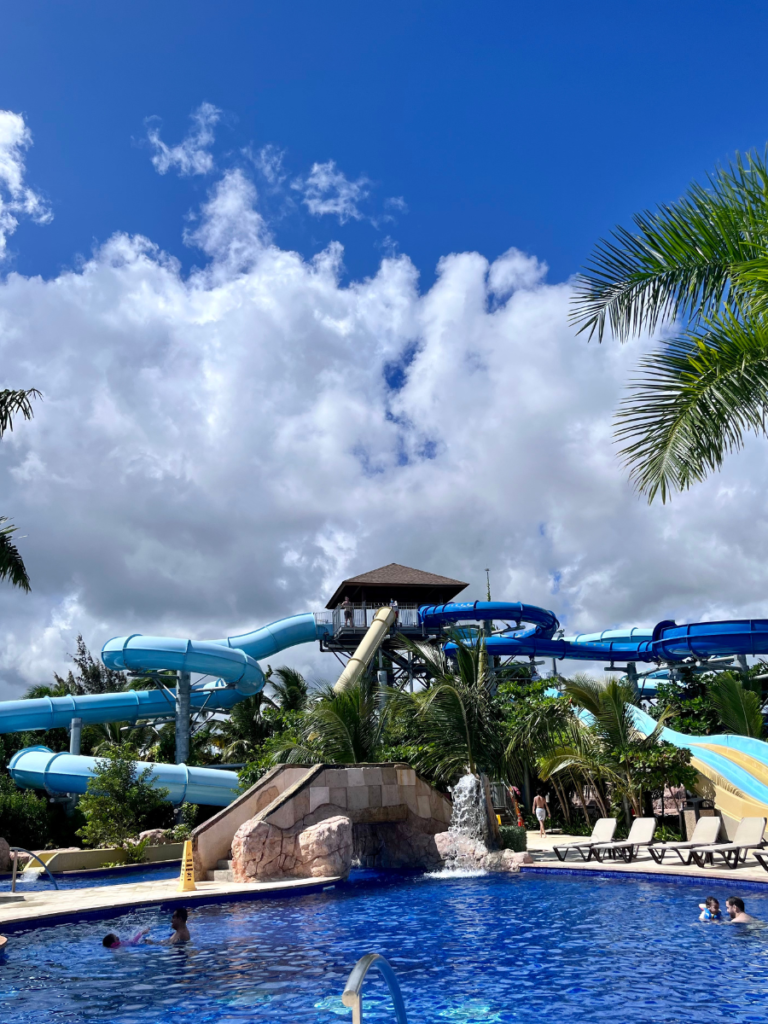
pixel 180 930
pixel 112 941
pixel 736 912
pixel 710 910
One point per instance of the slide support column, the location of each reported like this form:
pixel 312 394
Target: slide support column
pixel 183 687
pixel 75 734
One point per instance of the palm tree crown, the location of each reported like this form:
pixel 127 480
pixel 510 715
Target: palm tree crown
pixel 702 261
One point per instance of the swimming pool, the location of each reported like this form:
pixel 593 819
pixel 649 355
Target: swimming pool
pixel 36 882
pixel 526 948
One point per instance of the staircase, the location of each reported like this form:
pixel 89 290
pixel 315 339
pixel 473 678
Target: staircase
pixel 222 872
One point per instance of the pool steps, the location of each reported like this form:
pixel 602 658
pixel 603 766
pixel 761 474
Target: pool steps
pixel 222 872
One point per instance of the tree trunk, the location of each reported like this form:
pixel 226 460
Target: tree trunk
pixel 580 791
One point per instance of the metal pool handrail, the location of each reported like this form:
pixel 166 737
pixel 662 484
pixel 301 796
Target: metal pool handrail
pixel 352 995
pixel 20 849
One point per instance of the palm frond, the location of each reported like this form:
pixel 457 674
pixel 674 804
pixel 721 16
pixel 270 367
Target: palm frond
pixel 12 566
pixel 290 688
pixel 16 403
pixel 683 260
pixel 696 400
pixel 738 708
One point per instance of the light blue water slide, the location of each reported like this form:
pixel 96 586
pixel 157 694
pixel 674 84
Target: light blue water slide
pixel 233 660
pixel 40 768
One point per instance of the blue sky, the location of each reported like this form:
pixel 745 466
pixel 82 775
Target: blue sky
pixel 538 125
pixel 280 272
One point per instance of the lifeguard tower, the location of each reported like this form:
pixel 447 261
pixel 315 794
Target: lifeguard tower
pixel 355 601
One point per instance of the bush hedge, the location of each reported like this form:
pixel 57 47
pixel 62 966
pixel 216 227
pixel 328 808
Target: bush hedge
pixel 513 837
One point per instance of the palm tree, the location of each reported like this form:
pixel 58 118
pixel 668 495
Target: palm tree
pixel 243 733
pixel 342 727
pixel 604 749
pixel 739 708
pixel 290 688
pixel 702 260
pixel 457 721
pixel 12 568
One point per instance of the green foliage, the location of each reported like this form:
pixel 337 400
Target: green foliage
pixel 703 259
pixel 609 750
pixel 290 689
pixel 455 726
pixel 120 802
pixel 739 708
pixel 252 772
pixel 12 566
pixel 688 706
pixel 23 816
pixel 135 852
pixel 653 768
pixel 666 834
pixel 342 727
pixel 513 837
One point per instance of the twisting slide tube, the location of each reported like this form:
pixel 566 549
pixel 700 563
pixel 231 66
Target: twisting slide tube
pixel 232 660
pixel 40 768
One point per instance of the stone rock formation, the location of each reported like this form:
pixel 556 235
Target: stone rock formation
pixel 460 851
pixel 261 851
pixel 5 855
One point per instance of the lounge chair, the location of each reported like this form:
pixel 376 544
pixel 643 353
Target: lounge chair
pixel 704 834
pixel 749 836
pixel 601 833
pixel 641 834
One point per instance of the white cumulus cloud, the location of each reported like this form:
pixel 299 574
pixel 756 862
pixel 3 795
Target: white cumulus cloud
pixel 16 198
pixel 192 155
pixel 327 191
pixel 219 449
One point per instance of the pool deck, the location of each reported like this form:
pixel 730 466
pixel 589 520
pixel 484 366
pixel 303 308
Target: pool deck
pixel 70 903
pixel 545 859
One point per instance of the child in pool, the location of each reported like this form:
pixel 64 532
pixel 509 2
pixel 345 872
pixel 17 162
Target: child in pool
pixel 112 941
pixel 710 910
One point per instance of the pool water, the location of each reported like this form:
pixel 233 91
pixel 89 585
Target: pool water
pixel 38 881
pixel 524 948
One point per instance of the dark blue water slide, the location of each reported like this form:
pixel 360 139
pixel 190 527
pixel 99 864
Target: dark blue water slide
pixel 669 642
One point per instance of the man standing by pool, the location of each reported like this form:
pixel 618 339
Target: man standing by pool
pixel 735 907
pixel 541 811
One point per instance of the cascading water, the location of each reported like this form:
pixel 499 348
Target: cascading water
pixel 469 830
pixel 469 816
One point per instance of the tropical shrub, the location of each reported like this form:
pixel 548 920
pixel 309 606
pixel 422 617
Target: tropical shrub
pixel 120 802
pixel 513 837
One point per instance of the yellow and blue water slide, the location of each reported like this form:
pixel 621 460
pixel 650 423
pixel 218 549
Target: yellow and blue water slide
pixel 234 663
pixel 734 769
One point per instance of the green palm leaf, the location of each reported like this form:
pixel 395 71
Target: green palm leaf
pixel 12 566
pixel 696 400
pixel 683 260
pixel 15 403
pixel 739 709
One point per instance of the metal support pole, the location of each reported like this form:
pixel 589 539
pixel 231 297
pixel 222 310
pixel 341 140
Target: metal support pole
pixel 183 686
pixel 742 661
pixel 410 671
pixel 75 734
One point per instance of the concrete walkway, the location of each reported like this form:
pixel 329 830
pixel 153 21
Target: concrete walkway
pixel 544 857
pixel 52 903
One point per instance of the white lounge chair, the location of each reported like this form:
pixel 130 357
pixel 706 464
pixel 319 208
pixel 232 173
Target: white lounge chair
pixel 641 834
pixel 749 836
pixel 704 834
pixel 601 833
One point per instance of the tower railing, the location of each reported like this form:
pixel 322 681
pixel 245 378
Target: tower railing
pixel 360 616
